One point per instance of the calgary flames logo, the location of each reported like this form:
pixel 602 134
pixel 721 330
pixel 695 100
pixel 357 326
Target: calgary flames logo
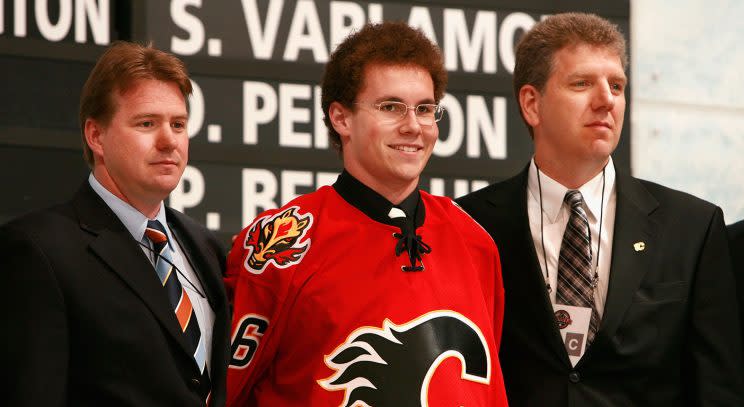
pixel 277 239
pixel 393 365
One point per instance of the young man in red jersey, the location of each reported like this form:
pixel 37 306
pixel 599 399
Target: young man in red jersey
pixel 369 292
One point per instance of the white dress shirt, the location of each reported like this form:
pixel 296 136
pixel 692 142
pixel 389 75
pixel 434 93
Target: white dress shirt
pixel 555 214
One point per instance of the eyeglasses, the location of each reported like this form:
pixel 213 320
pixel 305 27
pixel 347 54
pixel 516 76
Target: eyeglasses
pixel 390 112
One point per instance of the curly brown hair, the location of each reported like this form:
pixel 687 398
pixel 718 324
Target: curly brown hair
pixel 387 43
pixel 536 49
pixel 120 66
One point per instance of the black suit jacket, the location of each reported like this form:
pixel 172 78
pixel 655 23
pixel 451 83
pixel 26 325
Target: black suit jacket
pixel 736 243
pixel 87 322
pixel 667 338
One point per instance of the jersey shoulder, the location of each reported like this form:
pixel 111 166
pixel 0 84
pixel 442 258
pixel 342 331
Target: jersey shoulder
pixel 445 209
pixel 279 238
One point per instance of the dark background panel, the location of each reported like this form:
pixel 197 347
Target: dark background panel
pixel 223 104
pixel 41 93
pixel 37 177
pixel 41 78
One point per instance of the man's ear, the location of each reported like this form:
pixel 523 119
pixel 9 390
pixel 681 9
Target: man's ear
pixel 340 119
pixel 94 131
pixel 529 102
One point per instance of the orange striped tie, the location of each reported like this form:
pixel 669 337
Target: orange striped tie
pixel 178 297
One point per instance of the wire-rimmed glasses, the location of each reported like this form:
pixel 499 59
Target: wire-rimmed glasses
pixel 392 111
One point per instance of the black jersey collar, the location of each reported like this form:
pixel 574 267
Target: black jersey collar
pixel 375 205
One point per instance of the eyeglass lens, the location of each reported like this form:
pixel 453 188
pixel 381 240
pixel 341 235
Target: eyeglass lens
pixel 426 114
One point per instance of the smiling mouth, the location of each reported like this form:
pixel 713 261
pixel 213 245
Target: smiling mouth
pixel 406 149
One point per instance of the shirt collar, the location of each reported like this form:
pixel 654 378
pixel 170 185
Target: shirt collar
pixel 410 204
pixel 553 192
pixel 133 220
pixel 375 205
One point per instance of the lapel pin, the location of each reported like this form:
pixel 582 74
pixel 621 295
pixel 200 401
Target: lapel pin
pixel 639 246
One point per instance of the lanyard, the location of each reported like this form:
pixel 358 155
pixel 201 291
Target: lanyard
pixel 595 278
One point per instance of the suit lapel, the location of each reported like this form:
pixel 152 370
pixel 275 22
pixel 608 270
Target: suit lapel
pixel 206 267
pixel 633 224
pixel 114 245
pixel 526 276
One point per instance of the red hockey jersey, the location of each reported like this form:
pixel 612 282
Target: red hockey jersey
pixel 324 315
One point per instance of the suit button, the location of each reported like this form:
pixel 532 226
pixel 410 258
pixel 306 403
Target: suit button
pixel 574 377
pixel 195 384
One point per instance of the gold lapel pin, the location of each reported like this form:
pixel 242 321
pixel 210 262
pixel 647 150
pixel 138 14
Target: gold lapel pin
pixel 639 246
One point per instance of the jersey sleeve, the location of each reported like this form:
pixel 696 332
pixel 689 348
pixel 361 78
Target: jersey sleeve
pixel 262 262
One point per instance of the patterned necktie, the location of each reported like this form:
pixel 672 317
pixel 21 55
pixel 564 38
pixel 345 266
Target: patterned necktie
pixel 575 285
pixel 179 299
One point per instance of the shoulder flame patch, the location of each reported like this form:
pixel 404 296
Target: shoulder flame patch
pixel 277 239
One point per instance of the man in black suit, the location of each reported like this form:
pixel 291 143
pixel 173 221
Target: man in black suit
pixel 644 268
pixel 113 299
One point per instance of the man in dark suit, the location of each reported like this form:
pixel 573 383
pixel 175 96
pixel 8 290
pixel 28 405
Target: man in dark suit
pixel 736 243
pixel 618 291
pixel 113 299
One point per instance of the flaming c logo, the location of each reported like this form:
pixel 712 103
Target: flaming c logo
pixel 393 365
pixel 277 239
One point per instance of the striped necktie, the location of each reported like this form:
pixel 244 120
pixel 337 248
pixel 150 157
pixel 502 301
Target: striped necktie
pixel 178 298
pixel 575 286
